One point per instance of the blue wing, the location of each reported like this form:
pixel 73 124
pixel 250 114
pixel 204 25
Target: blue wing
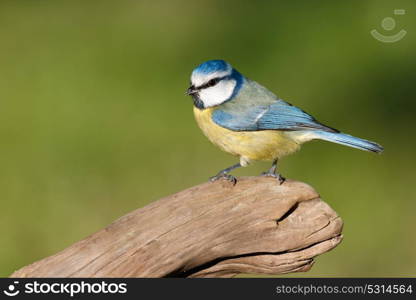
pixel 279 115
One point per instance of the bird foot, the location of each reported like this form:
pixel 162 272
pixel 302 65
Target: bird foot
pixel 225 176
pixel 277 176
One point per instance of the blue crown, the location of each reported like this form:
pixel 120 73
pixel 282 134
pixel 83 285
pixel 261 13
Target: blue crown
pixel 210 66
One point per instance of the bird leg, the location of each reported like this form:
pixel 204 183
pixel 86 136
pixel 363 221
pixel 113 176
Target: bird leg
pixel 272 172
pixel 224 174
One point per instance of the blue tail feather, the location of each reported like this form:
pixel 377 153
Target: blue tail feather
pixel 348 140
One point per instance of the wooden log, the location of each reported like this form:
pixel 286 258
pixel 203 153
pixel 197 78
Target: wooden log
pixel 210 230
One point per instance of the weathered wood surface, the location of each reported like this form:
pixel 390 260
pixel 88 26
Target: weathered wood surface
pixel 210 230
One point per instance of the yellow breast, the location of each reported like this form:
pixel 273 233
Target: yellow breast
pixel 250 145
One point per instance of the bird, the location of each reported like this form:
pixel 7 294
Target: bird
pixel 247 120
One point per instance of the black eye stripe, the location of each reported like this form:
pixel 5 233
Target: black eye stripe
pixel 211 83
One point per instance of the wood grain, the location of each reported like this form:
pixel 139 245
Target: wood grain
pixel 210 230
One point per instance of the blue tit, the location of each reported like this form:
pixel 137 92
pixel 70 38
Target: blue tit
pixel 247 120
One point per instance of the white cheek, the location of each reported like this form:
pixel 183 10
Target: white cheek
pixel 217 94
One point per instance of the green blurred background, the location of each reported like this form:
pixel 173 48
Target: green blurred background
pixel 94 121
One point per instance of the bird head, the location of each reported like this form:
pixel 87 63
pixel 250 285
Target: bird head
pixel 213 83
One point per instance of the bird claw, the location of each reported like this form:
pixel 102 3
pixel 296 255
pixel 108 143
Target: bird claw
pixel 277 176
pixel 225 176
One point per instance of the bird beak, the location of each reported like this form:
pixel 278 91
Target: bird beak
pixel 191 90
